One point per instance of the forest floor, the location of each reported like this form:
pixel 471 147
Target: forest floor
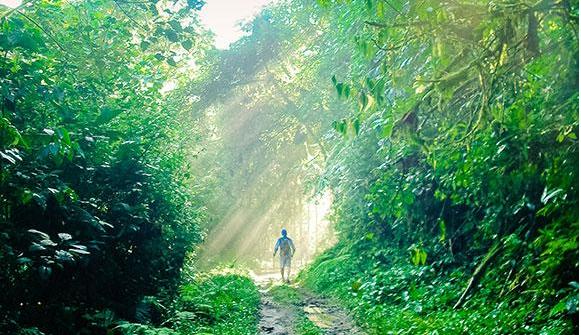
pixel 294 310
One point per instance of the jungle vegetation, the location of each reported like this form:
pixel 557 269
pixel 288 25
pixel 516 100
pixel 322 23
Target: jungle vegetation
pixel 445 133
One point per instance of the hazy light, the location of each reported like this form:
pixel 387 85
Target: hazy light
pixel 247 230
pixel 224 17
pixel 11 3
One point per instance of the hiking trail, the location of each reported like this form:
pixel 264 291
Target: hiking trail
pixel 284 308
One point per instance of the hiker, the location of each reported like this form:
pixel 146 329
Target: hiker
pixel 287 250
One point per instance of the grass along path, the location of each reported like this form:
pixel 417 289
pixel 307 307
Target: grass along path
pixel 293 310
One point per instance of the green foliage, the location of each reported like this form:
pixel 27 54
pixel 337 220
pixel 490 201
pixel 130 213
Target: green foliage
pixel 97 209
pixel 457 197
pixel 447 135
pixel 139 329
pixel 213 303
pixel 402 298
pixel 221 304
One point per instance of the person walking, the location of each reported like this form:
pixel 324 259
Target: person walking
pixel 287 250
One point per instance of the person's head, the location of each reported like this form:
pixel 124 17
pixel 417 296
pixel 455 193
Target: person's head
pixel 283 232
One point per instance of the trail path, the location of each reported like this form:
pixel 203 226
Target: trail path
pixel 279 318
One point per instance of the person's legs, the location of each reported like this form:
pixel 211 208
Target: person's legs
pixel 288 273
pixel 285 263
pixel 281 268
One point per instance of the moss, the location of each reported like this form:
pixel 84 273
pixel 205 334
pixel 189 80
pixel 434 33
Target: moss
pixel 286 295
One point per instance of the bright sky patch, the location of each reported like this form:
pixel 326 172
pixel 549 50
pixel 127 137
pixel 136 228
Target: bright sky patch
pixel 223 17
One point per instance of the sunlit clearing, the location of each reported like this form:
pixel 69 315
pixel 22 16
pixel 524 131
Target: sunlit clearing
pixel 246 236
pixel 224 18
pixel 11 3
pixel 266 184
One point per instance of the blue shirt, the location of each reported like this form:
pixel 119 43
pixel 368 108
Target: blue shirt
pixel 279 244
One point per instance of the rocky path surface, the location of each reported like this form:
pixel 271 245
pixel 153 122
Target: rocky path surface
pixel 275 319
pixel 281 319
pixel 329 317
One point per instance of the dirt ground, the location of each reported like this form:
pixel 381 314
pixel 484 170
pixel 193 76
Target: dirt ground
pixel 282 319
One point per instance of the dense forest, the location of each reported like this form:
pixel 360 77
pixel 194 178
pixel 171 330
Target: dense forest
pixel 423 155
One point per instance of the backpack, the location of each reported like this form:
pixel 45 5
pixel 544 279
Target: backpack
pixel 285 246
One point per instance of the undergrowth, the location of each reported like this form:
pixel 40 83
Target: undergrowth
pixel 396 297
pixel 216 303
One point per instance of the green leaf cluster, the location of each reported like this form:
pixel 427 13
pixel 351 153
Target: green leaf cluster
pixel 96 200
pixel 464 166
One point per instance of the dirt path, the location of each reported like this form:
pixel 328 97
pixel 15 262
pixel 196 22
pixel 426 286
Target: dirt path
pixel 280 317
pixel 329 317
pixel 274 318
